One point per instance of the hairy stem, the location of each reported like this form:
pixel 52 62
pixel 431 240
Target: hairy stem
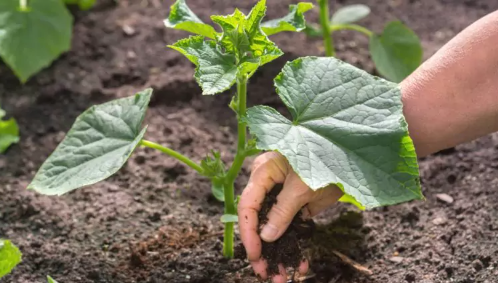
pixel 325 23
pixel 358 28
pixel 189 162
pixel 234 170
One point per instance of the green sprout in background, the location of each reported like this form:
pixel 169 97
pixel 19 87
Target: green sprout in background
pixel 9 132
pixel 396 52
pixel 334 107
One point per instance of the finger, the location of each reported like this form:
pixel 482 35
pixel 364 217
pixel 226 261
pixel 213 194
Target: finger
pixel 270 172
pixel 290 200
pixel 259 268
pixel 304 266
pixel 281 277
pixel 323 199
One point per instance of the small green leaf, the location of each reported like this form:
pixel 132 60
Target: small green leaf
pixel 396 52
pixel 51 280
pixel 181 17
pixel 217 189
pixel 229 218
pixel 9 132
pixel 216 71
pixel 294 21
pixel 350 14
pixel 10 256
pixel 347 129
pixel 31 39
pixel 96 147
pixel 85 5
pixel 238 30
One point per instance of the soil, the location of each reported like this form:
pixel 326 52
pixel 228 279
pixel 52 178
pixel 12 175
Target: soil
pixel 288 249
pixel 155 220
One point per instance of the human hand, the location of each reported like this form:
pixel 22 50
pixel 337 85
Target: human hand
pixel 269 169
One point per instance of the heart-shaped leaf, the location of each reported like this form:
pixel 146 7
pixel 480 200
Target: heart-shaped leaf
pixel 31 38
pixel 96 147
pixel 347 129
pixel 10 256
pixel 350 14
pixel 396 52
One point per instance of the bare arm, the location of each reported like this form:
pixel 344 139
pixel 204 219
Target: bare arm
pixel 453 97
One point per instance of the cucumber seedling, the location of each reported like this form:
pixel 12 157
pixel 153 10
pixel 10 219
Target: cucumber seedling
pixel 347 127
pixel 396 51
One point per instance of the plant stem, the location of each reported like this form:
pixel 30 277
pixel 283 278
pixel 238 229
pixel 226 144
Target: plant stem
pixel 174 154
pixel 358 28
pixel 325 23
pixel 234 170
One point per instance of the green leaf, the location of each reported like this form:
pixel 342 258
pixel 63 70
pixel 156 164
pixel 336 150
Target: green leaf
pixel 242 36
pixel 96 147
pixel 229 218
pixel 9 132
pixel 85 5
pixel 181 17
pixel 51 280
pixel 31 39
pixel 10 256
pixel 313 30
pixel 350 14
pixel 217 189
pixel 347 129
pixel 216 71
pixel 294 21
pixel 396 52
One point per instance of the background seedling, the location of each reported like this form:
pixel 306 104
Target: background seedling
pixel 396 51
pixel 34 33
pixel 334 107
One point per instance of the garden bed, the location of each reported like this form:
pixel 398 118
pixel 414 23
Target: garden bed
pixel 156 221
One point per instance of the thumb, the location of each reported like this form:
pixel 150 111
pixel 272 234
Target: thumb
pixel 290 200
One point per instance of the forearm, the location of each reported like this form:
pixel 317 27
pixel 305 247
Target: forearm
pixel 453 97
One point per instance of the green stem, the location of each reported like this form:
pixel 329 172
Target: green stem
pixel 174 154
pixel 234 170
pixel 324 22
pixel 358 28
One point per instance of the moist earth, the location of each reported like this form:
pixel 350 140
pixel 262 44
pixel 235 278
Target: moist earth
pixel 155 221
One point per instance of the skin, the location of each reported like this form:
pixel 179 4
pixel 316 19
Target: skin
pixel 450 99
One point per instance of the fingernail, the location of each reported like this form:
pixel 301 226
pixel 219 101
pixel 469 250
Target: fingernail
pixel 269 232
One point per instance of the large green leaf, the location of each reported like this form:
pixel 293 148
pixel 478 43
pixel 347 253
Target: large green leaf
pixel 181 17
pixel 10 256
pixel 350 14
pixel 31 39
pixel 9 132
pixel 396 52
pixel 216 71
pixel 96 147
pixel 347 129
pixel 294 21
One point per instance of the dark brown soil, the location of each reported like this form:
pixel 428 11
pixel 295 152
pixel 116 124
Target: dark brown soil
pixel 155 221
